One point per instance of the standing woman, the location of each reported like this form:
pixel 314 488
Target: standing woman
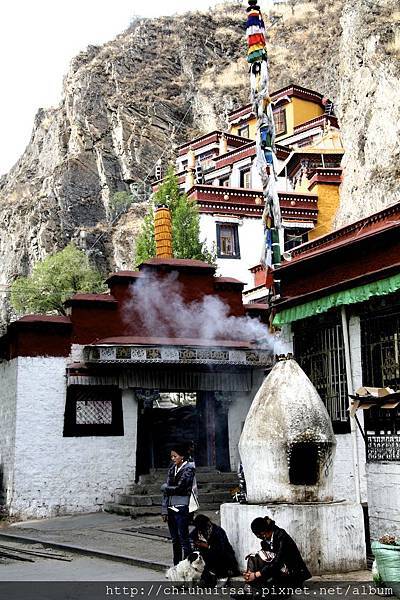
pixel 175 505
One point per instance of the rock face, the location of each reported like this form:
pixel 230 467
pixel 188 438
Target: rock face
pixel 124 105
pixel 369 107
pixel 287 444
pixel 136 98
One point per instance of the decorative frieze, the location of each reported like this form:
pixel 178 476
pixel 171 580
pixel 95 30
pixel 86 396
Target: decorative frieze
pixel 176 354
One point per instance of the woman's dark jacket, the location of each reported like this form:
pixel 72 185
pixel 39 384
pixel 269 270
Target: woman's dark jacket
pixel 178 488
pixel 219 556
pixel 286 553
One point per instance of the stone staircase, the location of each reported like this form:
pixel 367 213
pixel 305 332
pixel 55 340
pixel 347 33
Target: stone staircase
pixel 144 498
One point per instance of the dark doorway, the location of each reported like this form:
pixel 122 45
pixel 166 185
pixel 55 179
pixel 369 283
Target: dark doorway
pixel 204 422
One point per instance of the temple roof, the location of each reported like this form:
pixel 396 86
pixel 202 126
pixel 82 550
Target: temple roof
pixel 358 254
pixel 296 91
pixel 177 263
pixel 169 341
pixel 354 232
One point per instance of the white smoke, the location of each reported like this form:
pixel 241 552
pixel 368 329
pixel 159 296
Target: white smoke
pixel 165 313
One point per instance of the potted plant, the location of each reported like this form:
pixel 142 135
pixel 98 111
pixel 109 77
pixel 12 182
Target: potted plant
pixel 387 555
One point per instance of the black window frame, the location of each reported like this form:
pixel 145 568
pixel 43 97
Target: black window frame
pixel 242 172
pixel 295 232
pixel 244 128
pixel 236 245
pixel 103 393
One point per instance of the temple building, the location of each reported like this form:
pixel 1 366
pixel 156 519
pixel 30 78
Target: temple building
pixel 219 171
pixel 340 311
pixel 88 401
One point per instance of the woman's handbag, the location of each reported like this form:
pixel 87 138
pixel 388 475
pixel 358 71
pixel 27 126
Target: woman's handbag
pixel 193 502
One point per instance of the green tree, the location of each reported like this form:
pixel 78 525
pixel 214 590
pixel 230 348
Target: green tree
pixel 185 224
pixel 53 280
pixel 120 203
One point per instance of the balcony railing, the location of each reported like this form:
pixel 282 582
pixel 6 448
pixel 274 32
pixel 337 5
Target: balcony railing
pixel 383 448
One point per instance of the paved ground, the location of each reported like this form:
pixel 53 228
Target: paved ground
pixel 104 532
pixel 101 532
pixel 119 537
pixel 79 569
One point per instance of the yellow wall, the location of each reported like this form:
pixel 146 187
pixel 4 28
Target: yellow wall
pixel 328 203
pixel 299 111
pixel 305 111
pixel 252 123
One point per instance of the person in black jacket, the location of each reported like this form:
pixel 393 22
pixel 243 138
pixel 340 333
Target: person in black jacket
pixel 213 544
pixel 175 504
pixel 279 561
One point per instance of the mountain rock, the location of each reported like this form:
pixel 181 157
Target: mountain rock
pixel 133 100
pixel 369 107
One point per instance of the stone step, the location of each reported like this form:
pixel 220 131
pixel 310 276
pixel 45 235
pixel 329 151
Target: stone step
pixel 206 476
pixel 131 511
pixel 215 497
pixel 154 488
pixel 142 511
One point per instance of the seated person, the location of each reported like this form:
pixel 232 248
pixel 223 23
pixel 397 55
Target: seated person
pixel 213 544
pixel 278 562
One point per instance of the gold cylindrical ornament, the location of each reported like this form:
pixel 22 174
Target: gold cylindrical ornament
pixel 163 232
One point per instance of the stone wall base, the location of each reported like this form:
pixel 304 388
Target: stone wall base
pixel 330 536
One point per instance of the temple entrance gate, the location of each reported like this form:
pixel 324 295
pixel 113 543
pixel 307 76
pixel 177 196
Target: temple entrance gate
pixel 203 421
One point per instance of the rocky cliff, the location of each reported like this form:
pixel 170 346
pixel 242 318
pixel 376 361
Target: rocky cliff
pixel 369 107
pixel 134 99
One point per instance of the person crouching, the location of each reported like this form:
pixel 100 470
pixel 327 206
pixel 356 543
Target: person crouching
pixel 219 556
pixel 278 562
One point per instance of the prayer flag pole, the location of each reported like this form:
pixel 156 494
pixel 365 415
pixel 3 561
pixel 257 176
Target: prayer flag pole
pixel 257 57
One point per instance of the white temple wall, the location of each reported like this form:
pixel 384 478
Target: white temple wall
pixel 250 243
pixel 57 475
pixel 8 393
pixel 383 498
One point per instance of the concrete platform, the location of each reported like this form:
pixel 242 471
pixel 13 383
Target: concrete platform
pixel 330 536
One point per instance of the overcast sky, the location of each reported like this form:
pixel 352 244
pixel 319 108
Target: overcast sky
pixel 38 38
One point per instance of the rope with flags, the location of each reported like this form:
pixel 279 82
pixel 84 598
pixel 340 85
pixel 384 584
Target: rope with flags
pixel 266 159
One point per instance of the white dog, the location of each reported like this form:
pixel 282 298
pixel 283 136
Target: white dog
pixel 189 569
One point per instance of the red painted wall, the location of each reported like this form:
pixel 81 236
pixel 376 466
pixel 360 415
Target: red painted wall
pixel 339 265
pixel 95 317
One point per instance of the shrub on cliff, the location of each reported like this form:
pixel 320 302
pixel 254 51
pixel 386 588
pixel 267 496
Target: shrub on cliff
pixel 185 224
pixel 54 280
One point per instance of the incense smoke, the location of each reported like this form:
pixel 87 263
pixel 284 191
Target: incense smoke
pixel 165 313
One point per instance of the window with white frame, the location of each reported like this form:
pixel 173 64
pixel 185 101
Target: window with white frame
pixel 245 178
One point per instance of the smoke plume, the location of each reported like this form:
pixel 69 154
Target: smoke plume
pixel 165 313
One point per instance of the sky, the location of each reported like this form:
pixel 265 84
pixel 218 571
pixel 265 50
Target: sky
pixel 38 39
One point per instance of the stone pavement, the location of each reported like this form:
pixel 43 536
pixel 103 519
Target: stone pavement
pixel 141 542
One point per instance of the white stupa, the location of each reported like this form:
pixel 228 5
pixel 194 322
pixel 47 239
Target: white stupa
pixel 287 449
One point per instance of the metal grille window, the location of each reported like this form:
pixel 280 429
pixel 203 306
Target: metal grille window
pixel 380 335
pixel 93 410
pixel 319 350
pixel 294 236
